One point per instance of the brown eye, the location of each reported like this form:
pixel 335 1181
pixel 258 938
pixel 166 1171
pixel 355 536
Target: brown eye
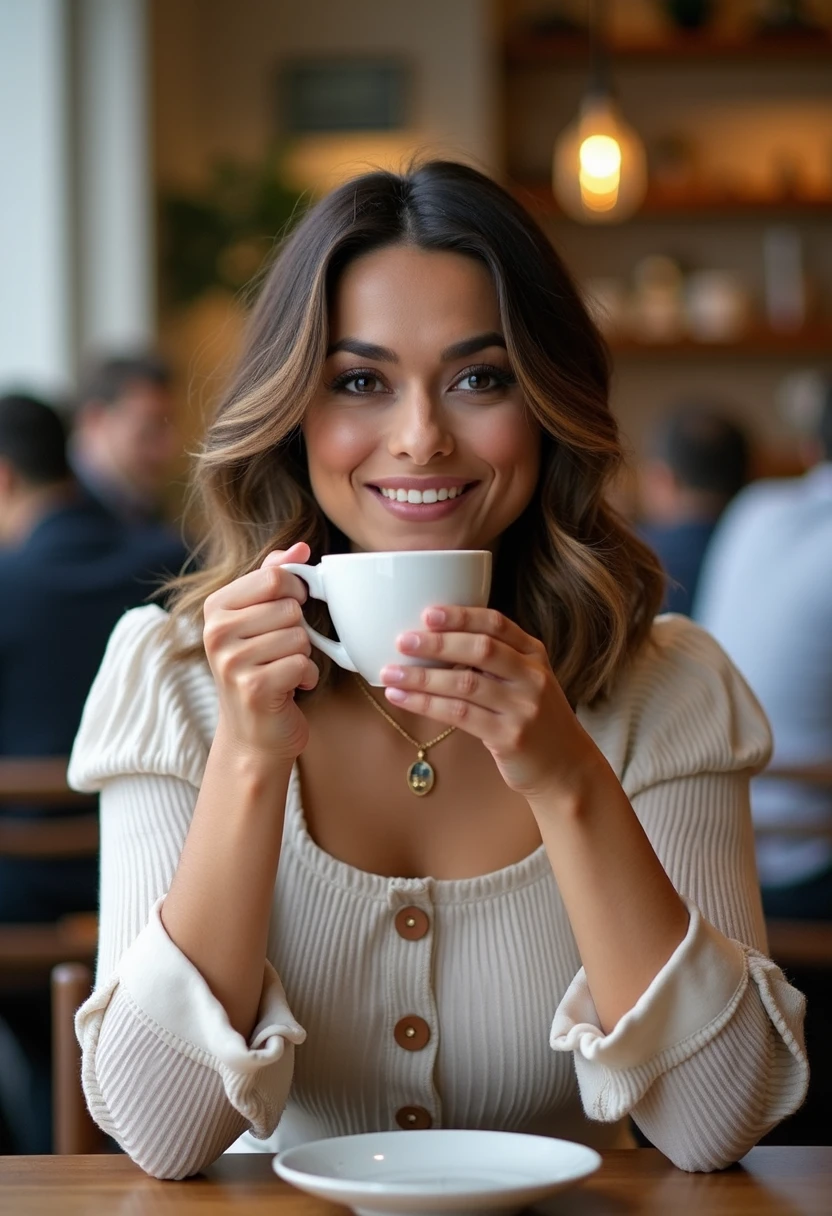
pixel 356 384
pixel 364 384
pixel 483 379
pixel 477 382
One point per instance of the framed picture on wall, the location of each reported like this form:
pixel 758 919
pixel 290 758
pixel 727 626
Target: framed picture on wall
pixel 320 96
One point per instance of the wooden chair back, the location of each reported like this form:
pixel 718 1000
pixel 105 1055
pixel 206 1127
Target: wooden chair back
pixel 28 952
pixel 73 1130
pixel 800 943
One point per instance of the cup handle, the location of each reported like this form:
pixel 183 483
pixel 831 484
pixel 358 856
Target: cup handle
pixel 313 577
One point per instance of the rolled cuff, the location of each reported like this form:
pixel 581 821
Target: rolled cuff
pixel 171 996
pixel 685 1006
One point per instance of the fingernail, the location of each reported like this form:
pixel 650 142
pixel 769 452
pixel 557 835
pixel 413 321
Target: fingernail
pixel 409 641
pixel 395 694
pixel 394 674
pixel 435 616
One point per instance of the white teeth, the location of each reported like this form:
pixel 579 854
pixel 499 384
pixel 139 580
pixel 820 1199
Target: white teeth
pixel 423 496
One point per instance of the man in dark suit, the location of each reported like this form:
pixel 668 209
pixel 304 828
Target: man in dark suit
pixel 124 437
pixel 698 461
pixel 68 570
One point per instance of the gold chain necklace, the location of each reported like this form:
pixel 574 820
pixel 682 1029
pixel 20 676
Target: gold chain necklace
pixel 421 776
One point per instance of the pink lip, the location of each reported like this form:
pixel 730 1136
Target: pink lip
pixel 419 512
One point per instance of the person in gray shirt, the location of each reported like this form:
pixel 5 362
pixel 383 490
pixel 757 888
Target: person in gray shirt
pixel 765 594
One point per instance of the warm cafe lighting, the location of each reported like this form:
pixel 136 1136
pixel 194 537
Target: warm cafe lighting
pixel 599 170
pixel 600 174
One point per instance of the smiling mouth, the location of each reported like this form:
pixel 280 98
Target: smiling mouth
pixel 428 497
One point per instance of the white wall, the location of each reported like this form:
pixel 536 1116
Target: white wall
pixel 76 232
pixel 116 258
pixel 36 347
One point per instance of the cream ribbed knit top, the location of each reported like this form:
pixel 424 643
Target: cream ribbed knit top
pixel 706 1061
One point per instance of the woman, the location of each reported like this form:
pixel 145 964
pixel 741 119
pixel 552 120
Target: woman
pixel 570 919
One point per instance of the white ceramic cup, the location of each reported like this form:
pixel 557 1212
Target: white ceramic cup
pixel 374 597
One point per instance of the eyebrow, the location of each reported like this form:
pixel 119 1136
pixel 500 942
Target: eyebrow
pixel 382 354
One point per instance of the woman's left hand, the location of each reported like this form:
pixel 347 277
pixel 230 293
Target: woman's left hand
pixel 501 689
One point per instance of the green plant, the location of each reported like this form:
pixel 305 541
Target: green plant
pixel 221 235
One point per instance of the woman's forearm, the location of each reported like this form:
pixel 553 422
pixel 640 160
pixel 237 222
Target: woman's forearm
pixel 625 913
pixel 218 907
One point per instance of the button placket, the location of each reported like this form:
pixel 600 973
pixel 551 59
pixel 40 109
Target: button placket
pixel 410 988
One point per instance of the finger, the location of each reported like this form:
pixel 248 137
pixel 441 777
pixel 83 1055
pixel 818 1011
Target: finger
pixel 479 650
pixel 260 586
pixel 455 619
pixel 447 711
pixel 258 619
pixel 310 674
pixel 295 671
pixel 299 552
pixel 268 647
pixel 463 684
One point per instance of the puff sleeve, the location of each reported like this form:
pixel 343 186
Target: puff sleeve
pixel 163 1071
pixel 712 1055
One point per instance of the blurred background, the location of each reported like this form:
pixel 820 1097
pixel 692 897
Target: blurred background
pixel 152 151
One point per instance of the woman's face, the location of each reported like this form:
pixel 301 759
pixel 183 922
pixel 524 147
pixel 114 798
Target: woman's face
pixel 417 437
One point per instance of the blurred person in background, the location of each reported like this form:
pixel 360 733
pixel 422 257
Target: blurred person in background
pixel 124 440
pixel 68 570
pixel 766 596
pixel 698 461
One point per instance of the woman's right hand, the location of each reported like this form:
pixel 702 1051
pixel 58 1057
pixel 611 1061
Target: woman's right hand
pixel 259 654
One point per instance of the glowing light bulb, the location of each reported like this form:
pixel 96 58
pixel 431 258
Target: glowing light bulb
pixel 599 168
pixel 600 157
pixel 600 171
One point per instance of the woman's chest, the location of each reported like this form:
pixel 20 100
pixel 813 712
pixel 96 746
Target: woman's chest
pixel 426 999
pixel 359 806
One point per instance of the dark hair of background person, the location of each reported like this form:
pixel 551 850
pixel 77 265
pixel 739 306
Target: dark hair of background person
pixel 569 571
pixel 704 449
pixel 106 379
pixel 33 439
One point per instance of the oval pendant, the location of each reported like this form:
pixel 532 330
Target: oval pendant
pixel 420 778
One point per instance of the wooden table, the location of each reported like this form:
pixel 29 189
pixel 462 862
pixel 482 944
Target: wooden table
pixel 769 1182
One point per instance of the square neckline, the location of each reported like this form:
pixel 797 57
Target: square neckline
pixel 368 884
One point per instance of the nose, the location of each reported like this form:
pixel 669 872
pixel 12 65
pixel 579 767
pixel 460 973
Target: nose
pixel 419 428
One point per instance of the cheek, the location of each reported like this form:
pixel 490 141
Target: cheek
pixel 506 443
pixel 336 444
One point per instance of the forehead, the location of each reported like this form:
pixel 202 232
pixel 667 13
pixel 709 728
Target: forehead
pixel 410 294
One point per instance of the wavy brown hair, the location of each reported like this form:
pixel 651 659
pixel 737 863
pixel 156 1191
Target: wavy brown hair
pixel 569 570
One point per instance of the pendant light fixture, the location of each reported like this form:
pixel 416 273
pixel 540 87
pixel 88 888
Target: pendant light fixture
pixel 599 167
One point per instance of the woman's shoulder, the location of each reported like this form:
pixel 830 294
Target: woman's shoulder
pixel 147 711
pixel 680 708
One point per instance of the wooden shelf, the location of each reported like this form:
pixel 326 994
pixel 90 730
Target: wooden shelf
pixel 698 204
pixel 529 49
pixel 812 340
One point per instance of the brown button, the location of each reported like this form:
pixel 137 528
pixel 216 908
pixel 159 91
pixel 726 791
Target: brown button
pixel 414 1118
pixel 412 1033
pixel 412 923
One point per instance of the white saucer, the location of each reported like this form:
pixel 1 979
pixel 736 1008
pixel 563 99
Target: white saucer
pixel 440 1172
